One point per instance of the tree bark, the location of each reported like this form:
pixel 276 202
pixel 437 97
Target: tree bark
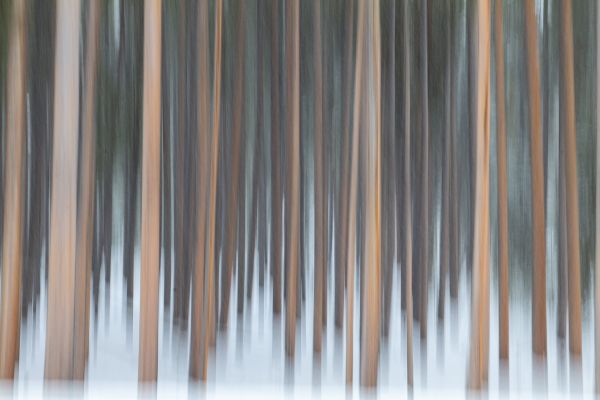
pixel 537 185
pixel 597 268
pixel 150 245
pixel 572 188
pixel 10 318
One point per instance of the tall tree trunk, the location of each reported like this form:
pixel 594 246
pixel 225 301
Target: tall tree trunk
pixel 562 313
pixel 570 140
pixel 85 223
pixel 276 191
pixel 407 212
pixel 502 183
pixel 10 318
pixel 293 177
pixel 150 245
pixel 352 199
pixel 198 324
pixel 61 270
pixel 320 203
pixel 425 170
pixel 370 318
pixel 232 199
pixel 210 299
pixel 597 269
pixel 478 357
pixel 537 185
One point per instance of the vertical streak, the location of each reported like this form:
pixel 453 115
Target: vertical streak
pixel 148 358
pixel 10 318
pixel 61 268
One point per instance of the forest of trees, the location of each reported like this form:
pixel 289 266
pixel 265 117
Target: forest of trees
pixel 307 152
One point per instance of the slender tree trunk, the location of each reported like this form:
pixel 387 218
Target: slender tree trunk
pixel 276 191
pixel 478 357
pixel 562 313
pixel 241 234
pixel 570 141
pixel 85 225
pixel 320 203
pixel 150 245
pixel 10 318
pixel 61 274
pixel 210 299
pixel 537 185
pixel 407 202
pixel 425 170
pixel 293 178
pixel 198 324
pixel 502 183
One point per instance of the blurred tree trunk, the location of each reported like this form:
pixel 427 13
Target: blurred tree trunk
pixel 562 313
pixel 232 198
pixel 293 168
pixel 455 243
pixel 407 216
pixel 61 270
pixel 209 282
pixel 198 335
pixel 85 198
pixel 371 317
pixel 597 269
pixel 478 358
pixel 502 183
pixel 150 245
pixel 319 199
pixel 276 189
pixel 567 100
pixel 12 251
pixel 341 250
pixel 424 262
pixel 537 185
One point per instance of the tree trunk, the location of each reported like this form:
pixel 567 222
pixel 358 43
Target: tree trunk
pixel 293 178
pixel 276 191
pixel 85 225
pixel 372 172
pixel 570 140
pixel 425 170
pixel 407 212
pixel 150 245
pixel 597 268
pixel 198 323
pixel 502 184
pixel 537 185
pixel 14 195
pixel 320 203
pixel 478 357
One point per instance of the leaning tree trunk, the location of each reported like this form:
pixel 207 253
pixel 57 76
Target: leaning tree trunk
pixel 85 223
pixel 10 318
pixel 210 298
pixel 567 99
pixel 537 185
pixel 150 244
pixel 478 357
pixel 502 184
